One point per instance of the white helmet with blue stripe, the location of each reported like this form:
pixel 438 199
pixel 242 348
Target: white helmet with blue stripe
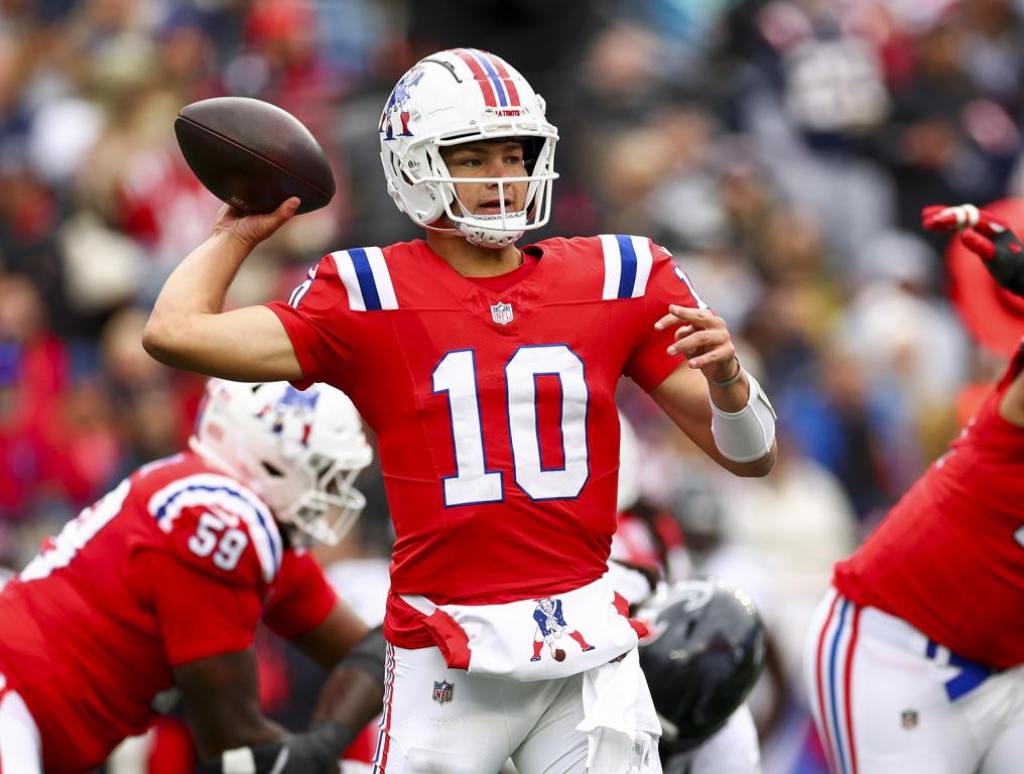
pixel 460 96
pixel 300 451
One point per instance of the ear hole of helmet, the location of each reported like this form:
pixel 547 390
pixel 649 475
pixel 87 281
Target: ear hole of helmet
pixel 398 169
pixel 320 464
pixel 531 151
pixel 272 470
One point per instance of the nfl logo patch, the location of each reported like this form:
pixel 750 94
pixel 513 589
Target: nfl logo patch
pixel 908 719
pixel 443 692
pixel 501 313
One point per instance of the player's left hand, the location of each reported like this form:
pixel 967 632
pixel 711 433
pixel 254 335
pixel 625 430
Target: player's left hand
pixel 703 338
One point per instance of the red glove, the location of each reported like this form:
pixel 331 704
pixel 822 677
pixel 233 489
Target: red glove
pixel 985 235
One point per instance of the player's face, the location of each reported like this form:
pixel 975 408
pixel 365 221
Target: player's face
pixel 488 159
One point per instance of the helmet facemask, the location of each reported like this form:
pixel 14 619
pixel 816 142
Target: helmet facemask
pixel 505 227
pixel 326 512
pixel 495 230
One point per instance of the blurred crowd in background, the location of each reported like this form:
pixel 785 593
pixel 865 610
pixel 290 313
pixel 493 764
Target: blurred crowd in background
pixel 781 150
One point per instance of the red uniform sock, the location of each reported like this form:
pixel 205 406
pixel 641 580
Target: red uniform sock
pixel 579 638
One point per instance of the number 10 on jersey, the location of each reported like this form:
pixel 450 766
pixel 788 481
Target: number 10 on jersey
pixel 456 375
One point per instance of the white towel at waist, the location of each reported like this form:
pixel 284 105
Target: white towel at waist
pixel 619 719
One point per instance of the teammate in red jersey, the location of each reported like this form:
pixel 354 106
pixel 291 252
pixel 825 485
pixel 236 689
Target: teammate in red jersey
pixel 915 661
pixel 155 592
pixel 488 372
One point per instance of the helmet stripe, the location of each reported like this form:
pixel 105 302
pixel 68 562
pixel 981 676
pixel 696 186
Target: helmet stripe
pixel 486 87
pixel 499 89
pixel 502 69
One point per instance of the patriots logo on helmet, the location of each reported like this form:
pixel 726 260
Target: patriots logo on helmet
pixel 291 415
pixel 396 104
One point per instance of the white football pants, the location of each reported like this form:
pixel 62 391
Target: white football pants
pixel 478 723
pixel 887 700
pixel 20 746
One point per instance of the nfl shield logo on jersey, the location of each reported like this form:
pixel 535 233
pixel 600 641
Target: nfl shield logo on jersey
pixel 501 313
pixel 443 692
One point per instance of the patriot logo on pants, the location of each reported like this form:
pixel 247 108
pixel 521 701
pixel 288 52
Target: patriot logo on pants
pixel 551 626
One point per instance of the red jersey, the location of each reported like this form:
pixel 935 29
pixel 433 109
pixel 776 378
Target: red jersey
pixel 177 563
pixel 949 557
pixel 493 404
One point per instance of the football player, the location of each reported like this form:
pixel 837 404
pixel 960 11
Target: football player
pixel 915 661
pixel 492 395
pixel 154 593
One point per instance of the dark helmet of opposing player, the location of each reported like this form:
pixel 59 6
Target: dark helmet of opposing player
pixel 704 654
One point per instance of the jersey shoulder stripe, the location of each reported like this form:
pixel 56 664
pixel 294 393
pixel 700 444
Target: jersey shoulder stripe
pixel 224 494
pixel 627 265
pixel 367 279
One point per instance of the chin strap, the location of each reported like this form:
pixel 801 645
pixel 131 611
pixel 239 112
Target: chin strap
pixel 479 234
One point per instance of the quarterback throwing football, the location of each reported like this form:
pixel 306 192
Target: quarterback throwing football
pixel 491 390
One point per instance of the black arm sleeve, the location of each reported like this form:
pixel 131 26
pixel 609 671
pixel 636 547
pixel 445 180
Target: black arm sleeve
pixel 306 753
pixel 367 655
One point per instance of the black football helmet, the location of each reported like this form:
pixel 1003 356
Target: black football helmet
pixel 704 654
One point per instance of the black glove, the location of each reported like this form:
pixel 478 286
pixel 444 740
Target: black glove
pixel 314 751
pixel 985 235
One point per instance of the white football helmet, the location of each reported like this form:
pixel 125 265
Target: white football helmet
pixel 459 96
pixel 299 451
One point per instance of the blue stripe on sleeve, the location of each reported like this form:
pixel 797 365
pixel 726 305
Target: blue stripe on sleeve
pixel 371 300
pixel 628 277
pixel 275 548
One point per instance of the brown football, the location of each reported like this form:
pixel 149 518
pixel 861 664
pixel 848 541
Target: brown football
pixel 559 654
pixel 253 155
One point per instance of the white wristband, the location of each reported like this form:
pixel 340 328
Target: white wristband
pixel 748 434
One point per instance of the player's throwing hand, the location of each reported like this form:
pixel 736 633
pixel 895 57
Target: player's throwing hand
pixel 253 229
pixel 704 339
pixel 984 234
